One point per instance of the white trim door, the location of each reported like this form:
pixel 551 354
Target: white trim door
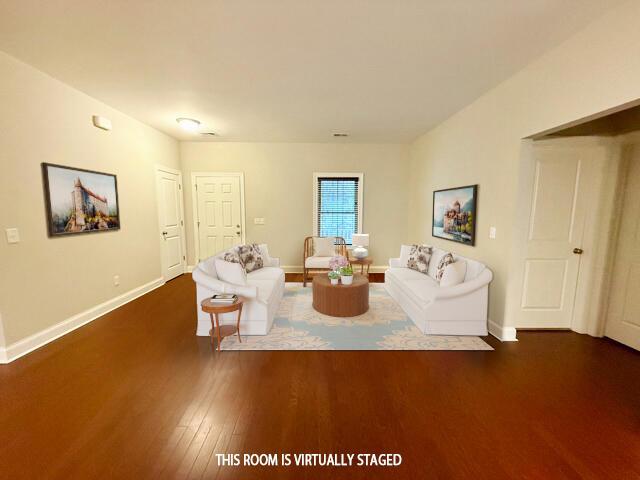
pixel 549 266
pixel 219 217
pixel 623 316
pixel 171 222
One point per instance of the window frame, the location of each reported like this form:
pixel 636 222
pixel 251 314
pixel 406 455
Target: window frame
pixel 318 175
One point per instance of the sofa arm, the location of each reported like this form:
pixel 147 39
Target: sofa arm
pixel 467 287
pixel 275 262
pixel 394 262
pixel 218 286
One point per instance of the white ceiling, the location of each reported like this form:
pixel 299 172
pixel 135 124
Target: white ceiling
pixel 288 70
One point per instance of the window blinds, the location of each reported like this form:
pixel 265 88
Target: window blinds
pixel 338 207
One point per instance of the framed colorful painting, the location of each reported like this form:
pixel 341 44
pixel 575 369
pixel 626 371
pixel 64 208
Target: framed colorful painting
pixel 79 201
pixel 454 214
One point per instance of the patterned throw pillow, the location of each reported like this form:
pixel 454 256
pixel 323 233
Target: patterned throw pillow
pixel 250 257
pixel 419 257
pixel 232 256
pixel 444 261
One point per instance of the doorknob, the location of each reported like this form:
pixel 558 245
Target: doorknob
pixel 578 251
pixel 164 234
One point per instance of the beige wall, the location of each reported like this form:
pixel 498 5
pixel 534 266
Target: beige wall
pixel 44 281
pixel 279 187
pixel 595 70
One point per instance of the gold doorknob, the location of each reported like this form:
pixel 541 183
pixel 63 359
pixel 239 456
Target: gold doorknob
pixel 578 251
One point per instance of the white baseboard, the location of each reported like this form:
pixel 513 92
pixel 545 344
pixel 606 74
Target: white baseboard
pixel 504 334
pixel 189 268
pixel 37 340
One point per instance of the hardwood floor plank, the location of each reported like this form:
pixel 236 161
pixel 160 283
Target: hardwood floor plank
pixel 135 394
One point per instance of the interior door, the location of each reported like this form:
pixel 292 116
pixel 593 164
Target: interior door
pixel 623 316
pixel 219 215
pixel 169 185
pixel 554 235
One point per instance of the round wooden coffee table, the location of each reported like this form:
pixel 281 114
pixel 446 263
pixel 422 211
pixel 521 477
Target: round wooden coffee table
pixel 341 300
pixel 214 309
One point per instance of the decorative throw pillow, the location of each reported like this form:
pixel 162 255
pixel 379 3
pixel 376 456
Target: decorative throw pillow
pixel 250 257
pixel 419 258
pixel 231 272
pixel 232 257
pixel 454 274
pixel 444 261
pixel 323 246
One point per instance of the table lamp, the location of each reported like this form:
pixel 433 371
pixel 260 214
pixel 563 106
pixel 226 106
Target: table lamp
pixel 360 241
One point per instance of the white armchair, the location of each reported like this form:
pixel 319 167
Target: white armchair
pixel 264 290
pixel 455 310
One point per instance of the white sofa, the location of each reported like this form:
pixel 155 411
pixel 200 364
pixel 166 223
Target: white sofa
pixel 264 289
pixel 455 310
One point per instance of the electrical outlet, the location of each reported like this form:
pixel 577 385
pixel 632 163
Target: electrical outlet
pixel 492 233
pixel 12 235
pixel 258 221
pixel 116 280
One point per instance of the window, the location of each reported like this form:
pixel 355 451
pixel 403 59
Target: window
pixel 337 205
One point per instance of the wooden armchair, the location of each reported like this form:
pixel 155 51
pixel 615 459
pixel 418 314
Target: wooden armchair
pixel 312 264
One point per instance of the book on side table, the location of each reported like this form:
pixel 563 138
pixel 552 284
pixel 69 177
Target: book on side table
pixel 224 298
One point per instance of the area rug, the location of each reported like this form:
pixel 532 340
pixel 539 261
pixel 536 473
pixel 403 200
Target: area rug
pixel 297 326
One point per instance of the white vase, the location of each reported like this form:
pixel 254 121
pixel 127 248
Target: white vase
pixel 334 281
pixel 347 279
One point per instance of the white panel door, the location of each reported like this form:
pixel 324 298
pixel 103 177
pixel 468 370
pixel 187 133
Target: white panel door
pixel 623 316
pixel 556 224
pixel 169 186
pixel 219 215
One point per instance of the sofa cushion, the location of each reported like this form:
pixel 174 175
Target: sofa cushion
pixel 323 246
pixel 454 274
pixel 317 262
pixel 266 273
pixel 230 272
pixel 420 287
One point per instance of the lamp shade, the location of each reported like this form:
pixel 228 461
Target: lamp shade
pixel 360 239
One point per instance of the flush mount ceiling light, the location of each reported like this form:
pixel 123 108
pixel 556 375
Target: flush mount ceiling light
pixel 188 124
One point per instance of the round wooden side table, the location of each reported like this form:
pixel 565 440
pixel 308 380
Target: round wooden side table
pixel 214 309
pixel 341 300
pixel 363 262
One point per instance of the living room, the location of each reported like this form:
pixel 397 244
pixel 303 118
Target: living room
pixel 426 254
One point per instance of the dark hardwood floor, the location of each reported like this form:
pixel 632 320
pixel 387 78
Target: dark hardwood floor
pixel 136 395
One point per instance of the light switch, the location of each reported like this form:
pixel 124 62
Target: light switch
pixel 258 221
pixel 12 235
pixel 492 233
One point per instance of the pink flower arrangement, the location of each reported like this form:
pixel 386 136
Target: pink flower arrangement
pixel 338 262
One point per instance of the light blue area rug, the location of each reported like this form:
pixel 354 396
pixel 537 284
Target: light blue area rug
pixel 385 326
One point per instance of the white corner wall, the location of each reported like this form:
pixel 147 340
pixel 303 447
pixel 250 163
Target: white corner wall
pixel 595 70
pixel 45 282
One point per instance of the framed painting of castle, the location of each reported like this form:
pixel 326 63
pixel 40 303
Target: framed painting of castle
pixel 79 201
pixel 454 214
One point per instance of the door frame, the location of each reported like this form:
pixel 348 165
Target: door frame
pixel 194 203
pixel 183 235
